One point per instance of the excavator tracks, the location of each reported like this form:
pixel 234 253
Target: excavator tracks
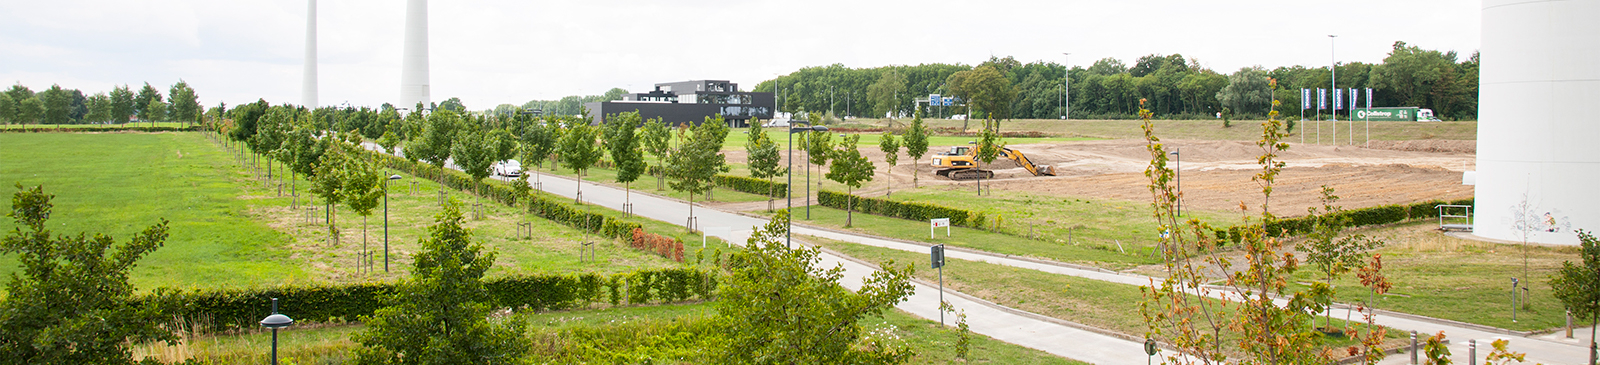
pixel 966 174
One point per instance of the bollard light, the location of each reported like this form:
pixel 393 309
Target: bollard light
pixel 276 321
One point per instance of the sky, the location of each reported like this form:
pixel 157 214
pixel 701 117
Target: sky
pixel 491 52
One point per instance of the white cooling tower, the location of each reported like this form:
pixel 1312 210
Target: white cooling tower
pixel 308 84
pixel 414 62
pixel 1538 139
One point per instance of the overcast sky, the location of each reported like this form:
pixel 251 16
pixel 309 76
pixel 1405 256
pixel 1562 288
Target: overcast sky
pixel 489 52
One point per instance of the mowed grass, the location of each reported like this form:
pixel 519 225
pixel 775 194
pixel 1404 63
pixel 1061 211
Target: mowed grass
pixel 1446 277
pixel 332 344
pixel 81 126
pixel 1212 129
pixel 120 183
pixel 231 228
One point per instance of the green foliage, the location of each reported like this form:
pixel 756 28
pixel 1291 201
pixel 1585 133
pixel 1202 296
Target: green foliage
pixel 849 168
pixel 577 148
pixel 986 88
pixel 538 142
pixel 778 306
pixel 1324 248
pixel 439 314
pixel 623 143
pixel 30 110
pixel 911 210
pixel 145 98
pixel 695 163
pixel 1436 351
pixel 885 93
pixel 72 305
pixel 1247 91
pixel 656 139
pixel 433 146
pixel 749 185
pixel 57 105
pixel 762 158
pixel 473 151
pixel 122 100
pixel 1502 356
pixel 1578 285
pixel 916 142
pixel 185 104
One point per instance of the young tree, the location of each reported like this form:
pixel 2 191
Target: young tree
pixel 57 105
pixel 8 109
pixel 30 110
pixel 778 305
pixel 579 151
pixel 99 108
pixel 891 155
pixel 122 104
pixel 625 152
pixel 916 142
pixel 71 303
pixel 885 93
pixel 185 105
pixel 329 179
pixel 1578 286
pixel 763 157
pixel 439 315
pixel 438 132
pixel 538 142
pixel 157 110
pixel 362 189
pixel 989 146
pixel 1333 255
pixel 986 88
pixel 474 150
pixel 657 140
pixel 696 162
pixel 817 145
pixel 142 102
pixel 851 169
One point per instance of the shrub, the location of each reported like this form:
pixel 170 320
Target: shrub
pixel 751 185
pixel 906 210
pixel 667 247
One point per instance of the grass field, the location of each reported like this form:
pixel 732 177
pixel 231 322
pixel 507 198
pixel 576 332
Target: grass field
pixel 331 344
pixel 1242 130
pixel 232 229
pixel 78 126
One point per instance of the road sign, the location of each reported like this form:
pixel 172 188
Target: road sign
pixel 939 222
pixel 937 256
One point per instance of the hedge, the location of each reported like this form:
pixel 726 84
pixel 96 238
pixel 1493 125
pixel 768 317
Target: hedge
pixel 906 210
pixel 1371 216
pixel 192 128
pixel 752 185
pixel 231 309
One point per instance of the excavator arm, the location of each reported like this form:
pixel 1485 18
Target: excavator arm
pixel 1022 159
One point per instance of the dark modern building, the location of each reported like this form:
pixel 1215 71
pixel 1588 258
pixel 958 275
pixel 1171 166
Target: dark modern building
pixel 691 102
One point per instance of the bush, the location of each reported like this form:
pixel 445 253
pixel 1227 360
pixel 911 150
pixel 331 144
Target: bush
pixel 751 185
pixel 1371 216
pixel 906 210
pixel 667 247
pixel 236 309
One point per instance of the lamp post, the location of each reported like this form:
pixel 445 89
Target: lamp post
pixel 1066 87
pixel 788 236
pixel 1333 80
pixel 386 221
pixel 276 321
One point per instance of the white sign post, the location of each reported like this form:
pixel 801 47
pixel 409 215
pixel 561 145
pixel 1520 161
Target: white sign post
pixel 936 223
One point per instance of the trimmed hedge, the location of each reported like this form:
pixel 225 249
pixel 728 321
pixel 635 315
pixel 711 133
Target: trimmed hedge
pixel 232 309
pixel 752 185
pixel 906 210
pixel 1370 216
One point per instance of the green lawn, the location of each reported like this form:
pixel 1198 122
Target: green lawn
pixel 233 229
pixel 77 126
pixel 626 330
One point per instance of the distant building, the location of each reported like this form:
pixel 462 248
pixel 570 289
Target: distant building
pixel 691 102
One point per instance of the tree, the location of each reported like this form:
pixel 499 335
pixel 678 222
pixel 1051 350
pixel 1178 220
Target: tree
pixel 885 93
pixel 362 189
pixel 696 162
pixel 439 130
pixel 916 142
pixel 452 104
pixel 989 146
pixel 30 110
pixel 8 109
pixel 142 102
pixel 185 104
pixel 657 140
pixel 986 88
pixel 778 305
pixel 99 108
pixel 891 155
pixel 817 145
pixel 473 151
pixel 18 92
pixel 538 142
pixel 851 169
pixel 439 315
pixel 763 157
pixel 57 105
pixel 72 303
pixel 578 150
pixel 1333 255
pixel 157 110
pixel 623 143
pixel 122 104
pixel 1578 285
pixel 1247 91
pixel 329 184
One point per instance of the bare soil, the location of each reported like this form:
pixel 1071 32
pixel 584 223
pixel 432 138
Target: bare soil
pixel 1217 175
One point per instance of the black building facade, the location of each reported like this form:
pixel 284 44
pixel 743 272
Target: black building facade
pixel 691 102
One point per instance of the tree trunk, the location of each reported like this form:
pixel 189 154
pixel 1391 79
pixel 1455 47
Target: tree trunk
pixel 849 206
pixel 578 198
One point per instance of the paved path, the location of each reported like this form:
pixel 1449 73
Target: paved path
pixel 984 318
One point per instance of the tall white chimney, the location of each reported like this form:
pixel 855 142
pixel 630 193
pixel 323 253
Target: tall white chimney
pixel 308 87
pixel 414 63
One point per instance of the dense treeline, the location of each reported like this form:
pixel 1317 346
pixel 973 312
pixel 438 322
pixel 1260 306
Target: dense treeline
pixel 55 105
pixel 1174 86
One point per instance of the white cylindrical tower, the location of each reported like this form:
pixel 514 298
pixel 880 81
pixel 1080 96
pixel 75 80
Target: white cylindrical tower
pixel 414 62
pixel 308 85
pixel 1538 143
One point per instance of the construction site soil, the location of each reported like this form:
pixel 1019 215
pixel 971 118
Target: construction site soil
pixel 1217 175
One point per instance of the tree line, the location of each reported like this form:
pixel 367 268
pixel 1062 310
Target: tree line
pixel 56 105
pixel 1173 86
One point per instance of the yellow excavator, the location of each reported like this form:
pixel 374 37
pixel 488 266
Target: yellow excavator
pixel 960 163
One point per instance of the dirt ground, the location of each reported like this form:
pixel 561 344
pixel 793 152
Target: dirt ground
pixel 1216 175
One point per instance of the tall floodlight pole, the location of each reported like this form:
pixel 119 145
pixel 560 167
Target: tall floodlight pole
pixel 414 61
pixel 1333 66
pixel 1066 88
pixel 308 85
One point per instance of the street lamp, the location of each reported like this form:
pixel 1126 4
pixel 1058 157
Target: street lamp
pixel 276 321
pixel 1333 80
pixel 386 221
pixel 789 196
pixel 1066 87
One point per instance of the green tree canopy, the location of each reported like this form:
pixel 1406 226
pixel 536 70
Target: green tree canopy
pixel 1247 91
pixel 8 109
pixel 578 149
pixel 885 93
pixel 763 157
pixel 122 104
pixel 57 105
pixel 851 169
pixel 986 88
pixel 916 142
pixel 30 110
pixel 657 140
pixel 72 303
